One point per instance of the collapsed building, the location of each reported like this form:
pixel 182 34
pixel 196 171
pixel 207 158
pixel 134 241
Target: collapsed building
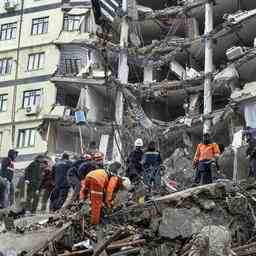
pixel 163 94
pixel 157 95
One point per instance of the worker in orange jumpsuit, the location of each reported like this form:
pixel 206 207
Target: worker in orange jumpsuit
pixel 100 184
pixel 205 160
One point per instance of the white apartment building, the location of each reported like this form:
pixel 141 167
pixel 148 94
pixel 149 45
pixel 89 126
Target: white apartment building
pixel 28 59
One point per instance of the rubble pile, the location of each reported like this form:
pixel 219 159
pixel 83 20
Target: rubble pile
pixel 217 218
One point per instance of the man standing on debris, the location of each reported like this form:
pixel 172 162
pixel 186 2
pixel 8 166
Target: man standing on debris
pixel 100 184
pixel 251 150
pixel 151 166
pixel 205 160
pixel 135 170
pixel 7 172
pixel 33 174
pixel 46 184
pixel 61 186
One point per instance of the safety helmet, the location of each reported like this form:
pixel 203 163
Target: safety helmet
pixel 87 157
pixel 138 143
pixel 98 157
pixel 126 183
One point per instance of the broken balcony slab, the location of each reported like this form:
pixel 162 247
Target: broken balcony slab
pixel 195 8
pixel 240 29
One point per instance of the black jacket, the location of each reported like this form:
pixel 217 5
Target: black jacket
pixel 134 160
pixel 59 172
pixel 5 171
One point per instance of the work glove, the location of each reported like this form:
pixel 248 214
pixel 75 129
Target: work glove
pixel 27 181
pixel 37 192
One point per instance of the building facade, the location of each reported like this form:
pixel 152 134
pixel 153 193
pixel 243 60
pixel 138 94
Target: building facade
pixel 27 32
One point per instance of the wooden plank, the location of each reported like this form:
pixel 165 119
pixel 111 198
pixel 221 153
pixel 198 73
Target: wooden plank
pixel 54 237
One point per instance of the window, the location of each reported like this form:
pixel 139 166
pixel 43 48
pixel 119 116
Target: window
pixel 5 66
pixel 3 102
pixel 26 138
pixel 35 61
pixel 71 23
pixel 72 66
pixel 40 26
pixel 8 31
pixel 31 98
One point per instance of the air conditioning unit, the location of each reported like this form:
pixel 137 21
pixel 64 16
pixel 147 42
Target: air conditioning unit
pixel 10 5
pixel 32 110
pixel 235 52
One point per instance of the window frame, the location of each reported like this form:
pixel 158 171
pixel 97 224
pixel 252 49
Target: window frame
pixel 72 64
pixel 34 96
pixel 37 57
pixel 44 26
pixel 70 20
pixel 27 142
pixel 6 64
pixel 3 101
pixel 8 32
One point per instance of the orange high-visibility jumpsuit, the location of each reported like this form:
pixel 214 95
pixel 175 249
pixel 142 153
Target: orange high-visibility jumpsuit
pixel 96 183
pixel 113 184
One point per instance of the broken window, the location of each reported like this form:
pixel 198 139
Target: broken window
pixel 8 31
pixel 3 102
pixel 31 98
pixel 36 61
pixel 71 22
pixel 26 138
pixel 5 66
pixel 72 66
pixel 39 26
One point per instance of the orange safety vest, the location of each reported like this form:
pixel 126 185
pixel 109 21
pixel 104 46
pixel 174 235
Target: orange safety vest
pixel 206 152
pixel 98 176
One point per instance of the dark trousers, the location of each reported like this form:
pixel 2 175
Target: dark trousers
pixel 2 190
pixel 45 195
pixel 58 198
pixel 32 199
pixel 252 167
pixel 74 183
pixel 206 172
pixel 152 177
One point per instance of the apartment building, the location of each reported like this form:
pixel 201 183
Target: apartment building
pixel 28 59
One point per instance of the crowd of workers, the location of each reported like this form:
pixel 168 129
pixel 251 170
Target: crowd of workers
pixel 47 182
pixel 88 177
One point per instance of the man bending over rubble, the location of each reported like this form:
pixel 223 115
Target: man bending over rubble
pixel 205 159
pixel 101 184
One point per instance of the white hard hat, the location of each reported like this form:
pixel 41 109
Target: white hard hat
pixel 126 183
pixel 138 143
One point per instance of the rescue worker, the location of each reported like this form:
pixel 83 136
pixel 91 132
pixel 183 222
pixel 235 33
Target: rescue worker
pixel 7 172
pixel 33 174
pixel 135 170
pixel 98 157
pixel 151 166
pixel 77 172
pixel 61 186
pixel 100 184
pixel 251 152
pixel 46 184
pixel 205 160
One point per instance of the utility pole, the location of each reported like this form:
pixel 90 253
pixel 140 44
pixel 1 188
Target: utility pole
pixel 123 71
pixel 208 68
